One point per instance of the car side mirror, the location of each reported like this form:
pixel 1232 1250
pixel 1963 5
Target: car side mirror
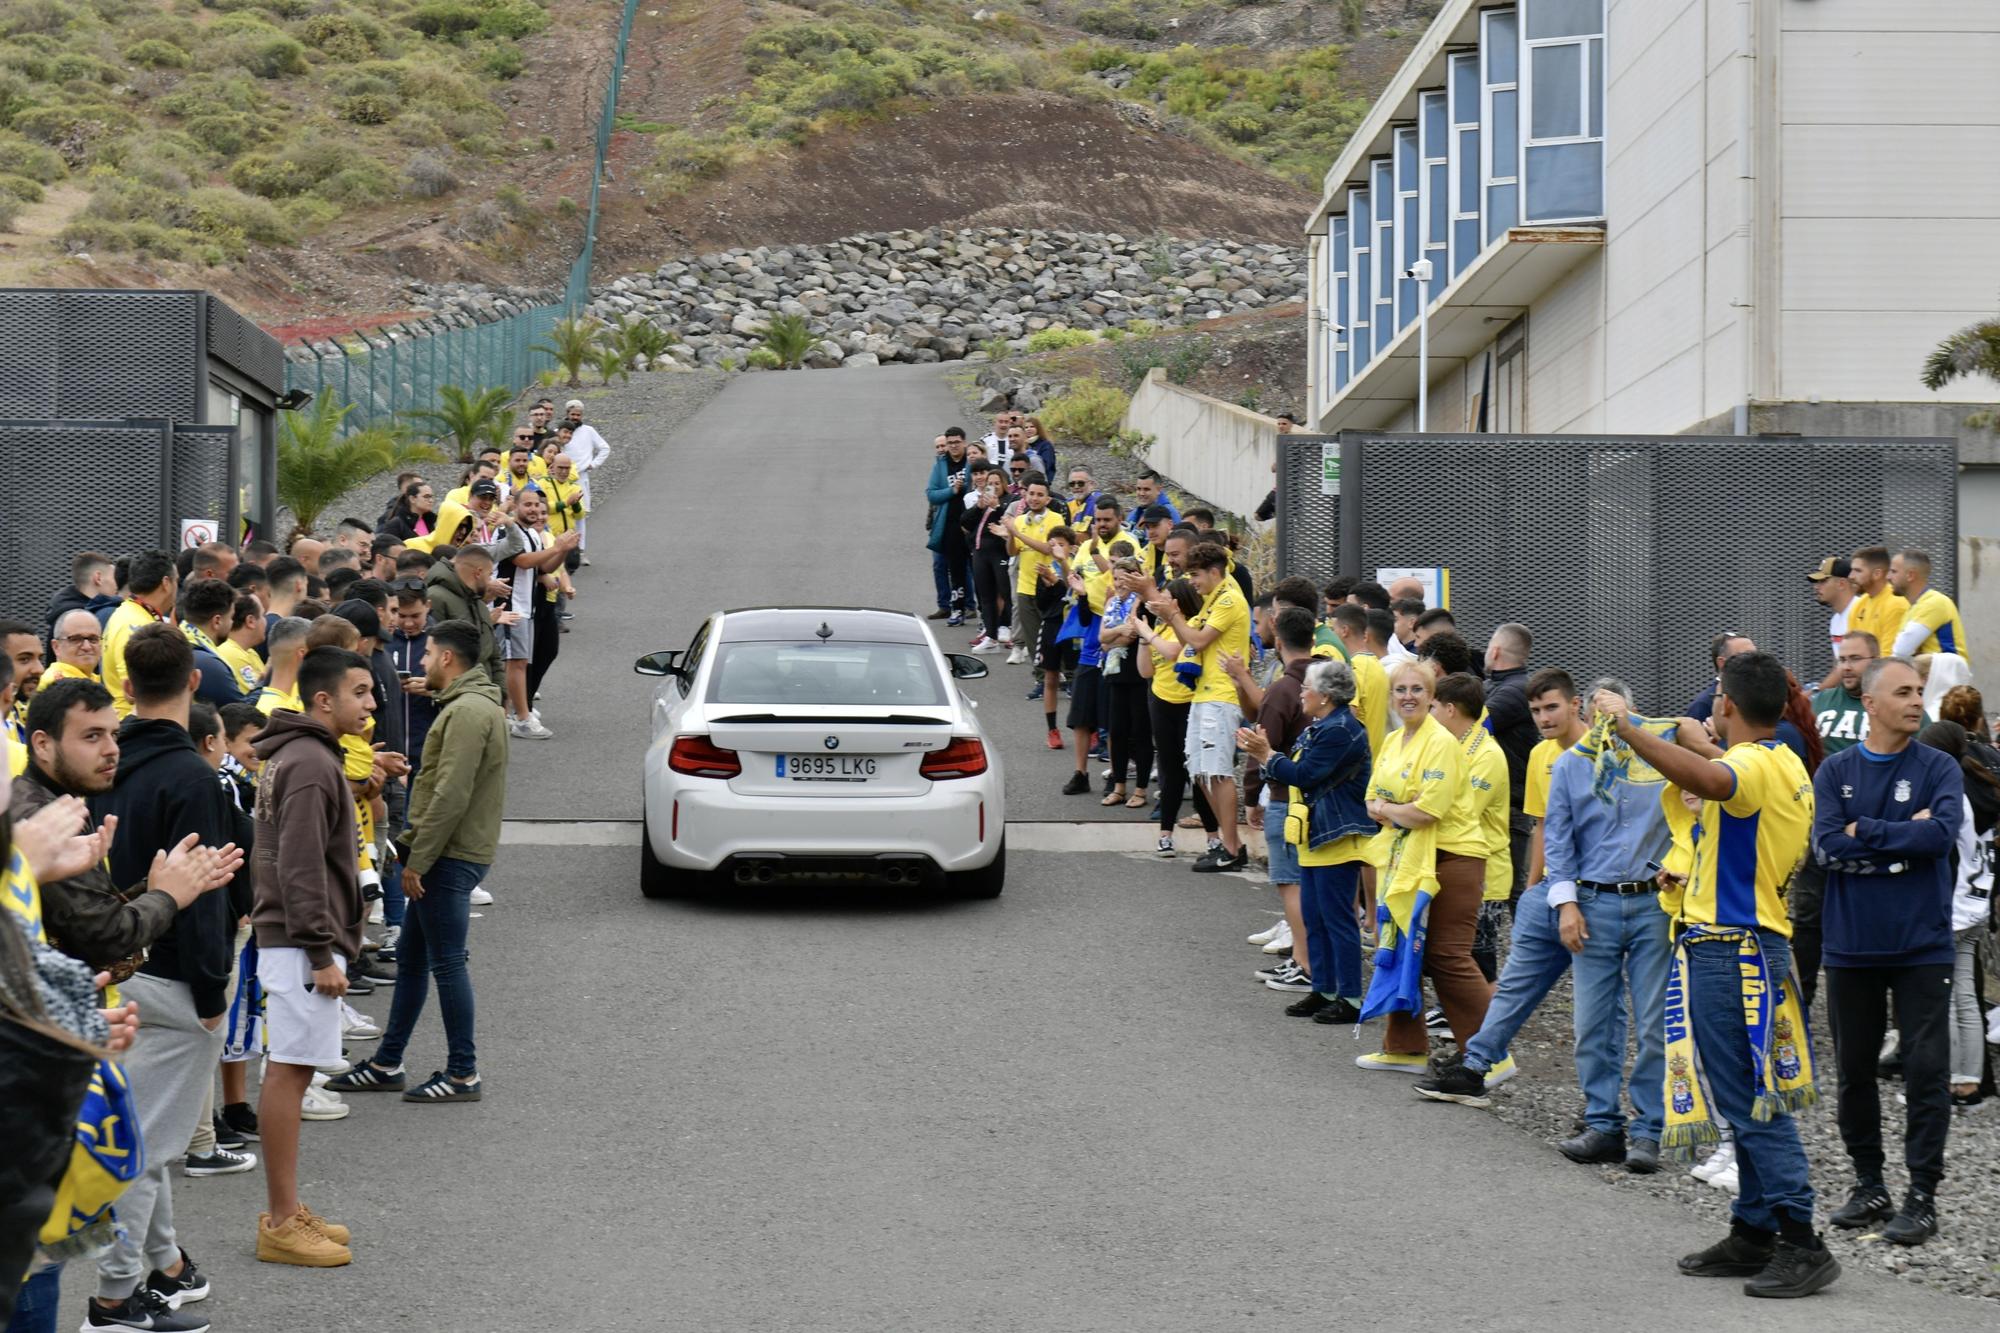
pixel 964 666
pixel 658 664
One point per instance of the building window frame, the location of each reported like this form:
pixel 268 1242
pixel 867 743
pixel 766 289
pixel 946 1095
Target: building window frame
pixel 1434 171
pixel 1577 147
pixel 1333 327
pixel 1462 114
pixel 1360 307
pixel 1409 220
pixel 1500 181
pixel 1382 190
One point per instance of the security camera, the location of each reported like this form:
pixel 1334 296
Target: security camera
pixel 1419 271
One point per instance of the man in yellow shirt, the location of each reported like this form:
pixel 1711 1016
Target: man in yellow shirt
pixel 1931 625
pixel 1876 609
pixel 286 644
pixel 150 587
pixel 239 646
pixel 1755 828
pixel 566 507
pixel 1222 625
pixel 1028 541
pixel 1371 684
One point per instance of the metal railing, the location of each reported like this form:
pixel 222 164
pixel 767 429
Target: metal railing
pixel 397 368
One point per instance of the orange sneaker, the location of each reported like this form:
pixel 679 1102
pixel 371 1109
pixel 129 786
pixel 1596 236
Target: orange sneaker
pixel 335 1232
pixel 300 1242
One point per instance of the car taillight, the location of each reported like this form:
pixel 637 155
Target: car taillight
pixel 699 757
pixel 965 757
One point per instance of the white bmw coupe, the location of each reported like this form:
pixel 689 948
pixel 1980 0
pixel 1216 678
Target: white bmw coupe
pixel 828 742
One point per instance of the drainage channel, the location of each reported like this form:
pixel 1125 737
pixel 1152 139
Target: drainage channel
pixel 1028 835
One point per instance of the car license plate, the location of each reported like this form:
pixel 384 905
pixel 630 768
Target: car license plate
pixel 826 767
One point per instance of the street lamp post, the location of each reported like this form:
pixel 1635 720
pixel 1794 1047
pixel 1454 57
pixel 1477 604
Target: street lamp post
pixel 1421 271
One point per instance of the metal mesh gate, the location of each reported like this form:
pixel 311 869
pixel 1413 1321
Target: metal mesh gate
pixel 1622 555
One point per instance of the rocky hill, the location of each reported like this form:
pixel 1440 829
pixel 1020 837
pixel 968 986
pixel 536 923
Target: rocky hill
pixel 309 158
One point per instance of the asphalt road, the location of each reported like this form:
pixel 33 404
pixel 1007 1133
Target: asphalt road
pixel 1067 1109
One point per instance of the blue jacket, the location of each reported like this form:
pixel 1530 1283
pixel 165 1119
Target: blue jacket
pixel 942 497
pixel 1331 775
pixel 1889 886
pixel 1135 521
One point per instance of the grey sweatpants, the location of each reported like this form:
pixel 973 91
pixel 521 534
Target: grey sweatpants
pixel 171 1068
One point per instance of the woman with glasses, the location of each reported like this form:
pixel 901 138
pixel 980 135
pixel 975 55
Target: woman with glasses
pixel 413 513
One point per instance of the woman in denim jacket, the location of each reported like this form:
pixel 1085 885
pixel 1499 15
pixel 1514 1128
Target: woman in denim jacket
pixel 1328 774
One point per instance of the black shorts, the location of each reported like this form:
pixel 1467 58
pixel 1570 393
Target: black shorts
pixel 1083 699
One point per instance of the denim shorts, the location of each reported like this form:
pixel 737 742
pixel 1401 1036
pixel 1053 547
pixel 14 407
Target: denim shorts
pixel 1211 739
pixel 1284 856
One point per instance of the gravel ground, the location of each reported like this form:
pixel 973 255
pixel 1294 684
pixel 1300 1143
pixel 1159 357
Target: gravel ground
pixel 634 416
pixel 1544 1101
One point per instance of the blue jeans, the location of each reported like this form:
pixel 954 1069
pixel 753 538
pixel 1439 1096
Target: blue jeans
pixel 396 796
pixel 1627 947
pixel 1333 936
pixel 1770 1162
pixel 433 947
pixel 1536 961
pixel 35 1308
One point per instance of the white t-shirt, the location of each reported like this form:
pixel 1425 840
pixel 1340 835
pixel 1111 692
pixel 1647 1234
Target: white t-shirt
pixel 586 448
pixel 1973 894
pixel 522 603
pixel 1836 625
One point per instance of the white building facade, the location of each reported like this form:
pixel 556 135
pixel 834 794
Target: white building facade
pixel 1669 216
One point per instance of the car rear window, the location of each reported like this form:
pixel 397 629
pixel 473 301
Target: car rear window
pixel 826 673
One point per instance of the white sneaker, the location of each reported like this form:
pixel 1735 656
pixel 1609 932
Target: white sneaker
pixel 1282 941
pixel 480 897
pixel 1501 1072
pixel 1006 634
pixel 1016 657
pixel 1725 1179
pixel 985 645
pixel 357 1026
pixel 319 1104
pixel 375 913
pixel 1263 937
pixel 1722 1159
pixel 332 1070
pixel 530 728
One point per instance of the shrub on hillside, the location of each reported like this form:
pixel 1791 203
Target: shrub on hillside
pixel 504 61
pixel 152 53
pixel 345 35
pixel 1118 21
pixel 368 108
pixel 78 67
pixel 10 211
pixel 37 162
pixel 227 132
pixel 1052 340
pixel 21 190
pixel 429 175
pixel 1088 412
pixel 78 131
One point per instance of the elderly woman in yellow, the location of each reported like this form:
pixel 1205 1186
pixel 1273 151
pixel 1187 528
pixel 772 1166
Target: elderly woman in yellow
pixel 1419 776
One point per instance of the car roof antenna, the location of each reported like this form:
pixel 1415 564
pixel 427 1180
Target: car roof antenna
pixel 825 631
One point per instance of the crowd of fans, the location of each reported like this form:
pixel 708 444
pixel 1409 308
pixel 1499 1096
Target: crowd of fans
pixel 1698 870
pixel 224 768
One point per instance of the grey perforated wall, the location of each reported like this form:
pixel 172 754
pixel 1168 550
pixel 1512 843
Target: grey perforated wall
pixel 40 530
pixel 1623 555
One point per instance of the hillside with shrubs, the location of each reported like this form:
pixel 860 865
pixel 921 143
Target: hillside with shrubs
pixel 306 157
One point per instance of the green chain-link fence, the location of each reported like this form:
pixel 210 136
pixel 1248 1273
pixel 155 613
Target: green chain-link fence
pixel 398 368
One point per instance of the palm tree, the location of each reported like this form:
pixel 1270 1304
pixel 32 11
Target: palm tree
pixel 317 464
pixel 1973 350
pixel 469 419
pixel 789 338
pixel 642 337
pixel 573 344
pixel 610 360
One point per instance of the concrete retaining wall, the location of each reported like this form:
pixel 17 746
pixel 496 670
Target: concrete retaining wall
pixel 1217 450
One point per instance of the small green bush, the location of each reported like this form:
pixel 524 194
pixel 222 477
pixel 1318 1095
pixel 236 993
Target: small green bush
pixel 504 62
pixel 1052 340
pixel 366 182
pixel 763 358
pixel 36 16
pixel 511 20
pixel 419 130
pixel 21 189
pixel 226 132
pixel 19 157
pixel 10 211
pixel 152 53
pixel 344 35
pixel 269 57
pixel 75 67
pixel 1087 412
pixel 444 18
pixel 203 94
pixel 368 108
pixel 1118 21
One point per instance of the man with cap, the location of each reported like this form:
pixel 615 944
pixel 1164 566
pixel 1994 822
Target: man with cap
pixel 587 450
pixel 1833 590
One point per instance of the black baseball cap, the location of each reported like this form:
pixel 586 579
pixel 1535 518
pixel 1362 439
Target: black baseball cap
pixel 485 489
pixel 1833 567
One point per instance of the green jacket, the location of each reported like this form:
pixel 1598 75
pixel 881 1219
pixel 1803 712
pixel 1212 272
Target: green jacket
pixel 451 600
pixel 461 785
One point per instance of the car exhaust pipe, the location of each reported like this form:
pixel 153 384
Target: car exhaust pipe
pixel 761 872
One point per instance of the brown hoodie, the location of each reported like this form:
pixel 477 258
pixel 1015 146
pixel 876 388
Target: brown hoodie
pixel 308 881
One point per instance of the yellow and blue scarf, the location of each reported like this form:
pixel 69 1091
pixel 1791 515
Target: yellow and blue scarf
pixel 1780 1045
pixel 1613 761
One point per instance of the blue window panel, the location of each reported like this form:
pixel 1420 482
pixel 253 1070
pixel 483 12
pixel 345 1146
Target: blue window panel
pixel 1596 85
pixel 1411 247
pixel 1437 204
pixel 1565 182
pixel 1433 122
pixel 1501 46
pixel 1564 18
pixel 1557 84
pixel 1505 130
pixel 1501 203
pixel 1465 244
pixel 1466 158
pixel 1464 88
pixel 1406 155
